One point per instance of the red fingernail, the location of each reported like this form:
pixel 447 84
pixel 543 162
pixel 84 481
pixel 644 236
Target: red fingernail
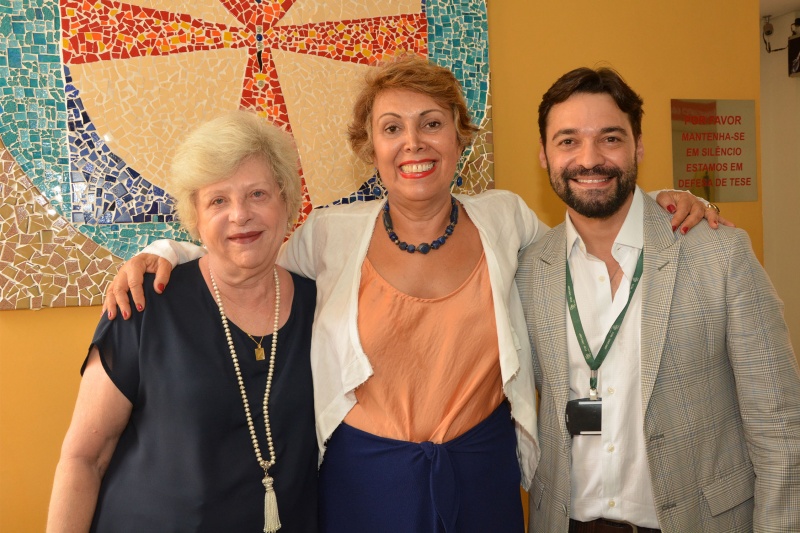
pixel 109 315
pixel 160 287
pixel 684 230
pixel 674 228
pixel 125 315
pixel 139 307
pixel 671 208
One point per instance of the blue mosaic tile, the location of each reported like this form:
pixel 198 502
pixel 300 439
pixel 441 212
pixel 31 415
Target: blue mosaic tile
pixel 449 23
pixel 29 40
pixel 130 197
pixel 372 189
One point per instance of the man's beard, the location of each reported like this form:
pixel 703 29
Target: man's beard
pixel 595 203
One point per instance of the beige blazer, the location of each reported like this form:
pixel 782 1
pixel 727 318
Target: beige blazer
pixel 720 383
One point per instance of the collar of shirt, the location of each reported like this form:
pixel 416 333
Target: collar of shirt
pixel 631 234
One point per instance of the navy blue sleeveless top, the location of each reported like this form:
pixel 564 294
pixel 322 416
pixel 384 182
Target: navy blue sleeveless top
pixel 185 462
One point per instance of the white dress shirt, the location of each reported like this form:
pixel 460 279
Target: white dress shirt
pixel 610 474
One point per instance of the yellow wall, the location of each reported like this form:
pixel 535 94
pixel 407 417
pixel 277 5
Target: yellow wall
pixel 677 49
pixel 40 357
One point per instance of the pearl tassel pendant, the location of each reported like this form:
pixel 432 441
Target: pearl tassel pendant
pixel 272 522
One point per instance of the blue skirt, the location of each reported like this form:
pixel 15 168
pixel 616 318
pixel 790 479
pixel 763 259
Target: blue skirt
pixel 470 484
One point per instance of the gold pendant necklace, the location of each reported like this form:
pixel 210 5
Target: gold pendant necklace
pixel 272 522
pixel 259 351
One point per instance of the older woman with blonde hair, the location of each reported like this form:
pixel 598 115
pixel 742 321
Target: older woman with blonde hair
pixel 197 414
pixel 423 384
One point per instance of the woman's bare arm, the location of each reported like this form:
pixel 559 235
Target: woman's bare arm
pixel 101 414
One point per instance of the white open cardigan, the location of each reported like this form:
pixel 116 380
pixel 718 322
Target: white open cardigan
pixel 330 248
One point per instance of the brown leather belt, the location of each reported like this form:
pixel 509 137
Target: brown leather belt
pixel 601 525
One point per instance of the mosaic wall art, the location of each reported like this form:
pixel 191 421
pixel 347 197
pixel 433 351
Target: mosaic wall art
pixel 95 95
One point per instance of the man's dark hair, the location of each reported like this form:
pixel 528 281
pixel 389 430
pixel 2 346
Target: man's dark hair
pixel 594 81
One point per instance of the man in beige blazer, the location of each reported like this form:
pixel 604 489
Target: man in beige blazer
pixel 697 385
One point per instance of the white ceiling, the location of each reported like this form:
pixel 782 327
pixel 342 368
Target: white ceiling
pixel 776 8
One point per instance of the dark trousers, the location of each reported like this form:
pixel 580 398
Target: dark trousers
pixel 467 485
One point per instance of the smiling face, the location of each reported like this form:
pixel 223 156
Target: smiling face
pixel 242 220
pixel 416 148
pixel 591 154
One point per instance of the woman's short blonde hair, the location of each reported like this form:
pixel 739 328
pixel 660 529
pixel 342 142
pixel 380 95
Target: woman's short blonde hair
pixel 214 150
pixel 411 73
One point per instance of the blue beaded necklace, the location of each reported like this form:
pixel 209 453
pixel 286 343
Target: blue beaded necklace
pixel 423 248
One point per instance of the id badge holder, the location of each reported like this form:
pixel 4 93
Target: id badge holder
pixel 585 415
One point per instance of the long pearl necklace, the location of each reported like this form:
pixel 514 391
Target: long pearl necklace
pixel 272 522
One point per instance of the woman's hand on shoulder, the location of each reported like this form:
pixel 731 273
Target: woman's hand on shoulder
pixel 688 210
pixel 130 277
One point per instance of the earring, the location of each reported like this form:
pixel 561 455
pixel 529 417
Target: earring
pixel 459 181
pixel 377 188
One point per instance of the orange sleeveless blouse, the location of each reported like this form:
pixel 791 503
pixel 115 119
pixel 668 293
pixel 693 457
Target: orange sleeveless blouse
pixel 435 361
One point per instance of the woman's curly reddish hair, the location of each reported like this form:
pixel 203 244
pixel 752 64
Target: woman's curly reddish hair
pixel 410 73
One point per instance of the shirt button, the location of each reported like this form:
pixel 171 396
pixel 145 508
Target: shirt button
pixel 612 503
pixel 611 390
pixel 611 448
pixel 601 279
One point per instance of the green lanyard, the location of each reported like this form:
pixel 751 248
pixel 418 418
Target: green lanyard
pixel 595 362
